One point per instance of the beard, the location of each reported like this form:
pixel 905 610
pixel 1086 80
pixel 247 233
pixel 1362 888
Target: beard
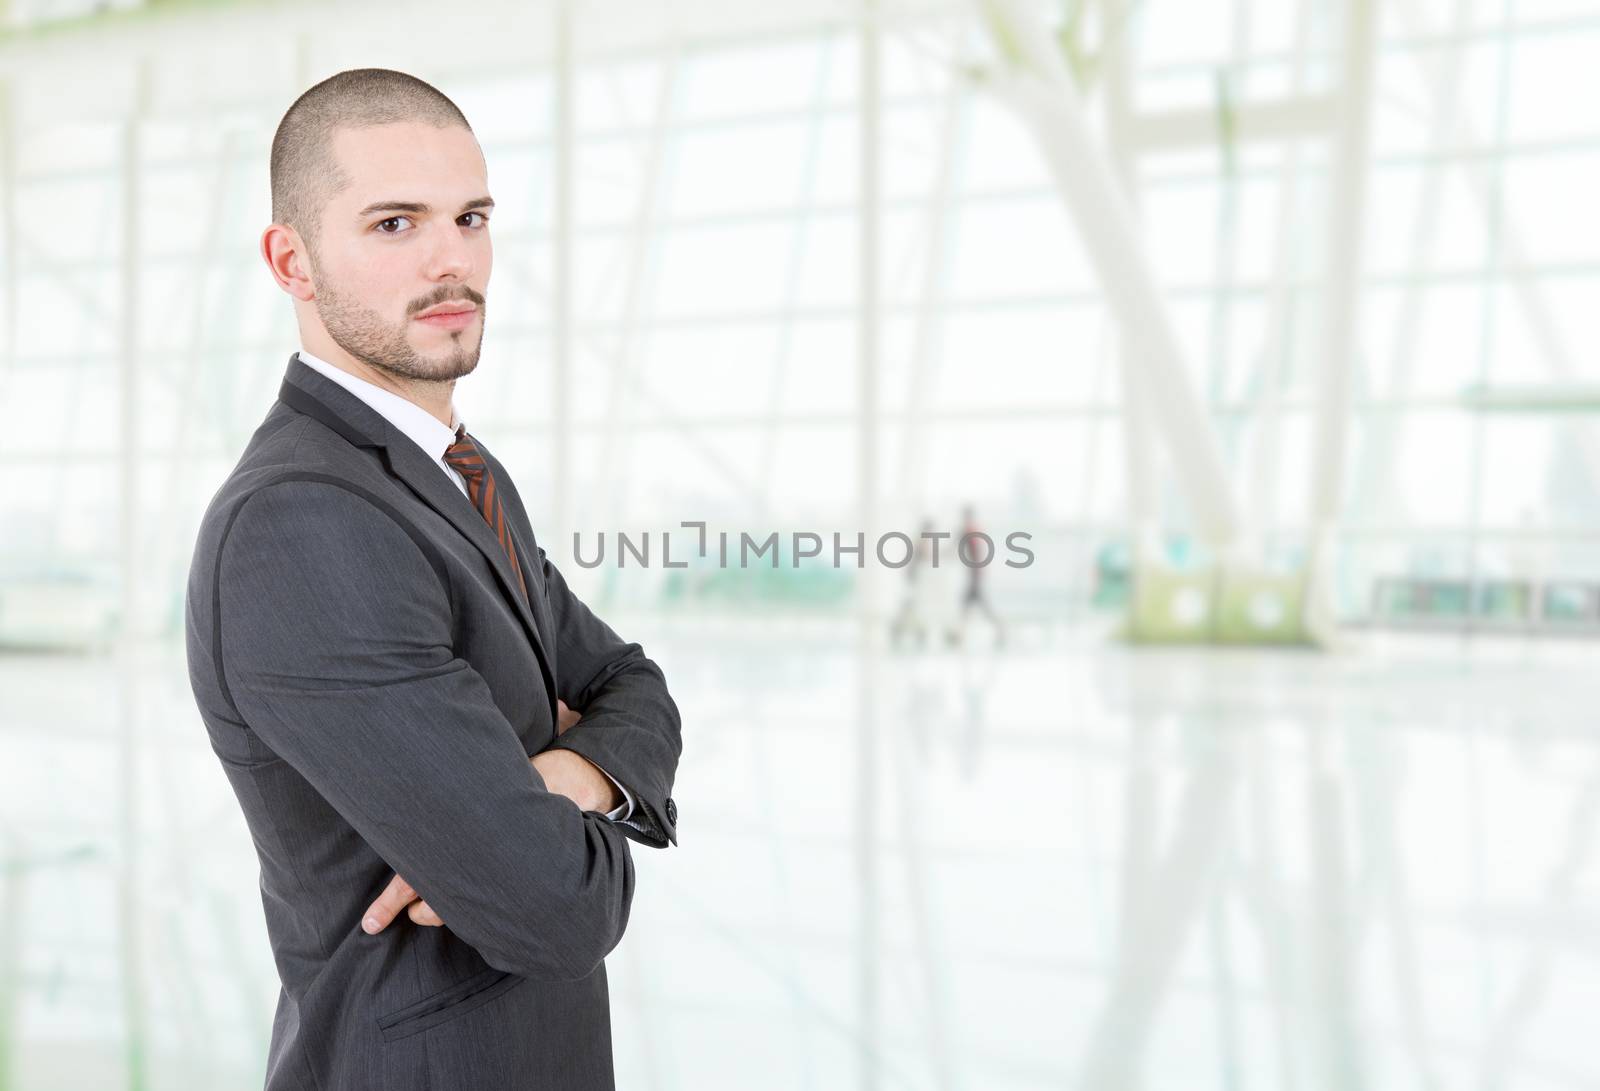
pixel 364 334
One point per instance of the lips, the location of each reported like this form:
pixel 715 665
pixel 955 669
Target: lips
pixel 449 317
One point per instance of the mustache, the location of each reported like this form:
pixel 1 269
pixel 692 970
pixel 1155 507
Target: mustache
pixel 448 295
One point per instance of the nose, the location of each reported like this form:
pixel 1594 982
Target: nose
pixel 450 257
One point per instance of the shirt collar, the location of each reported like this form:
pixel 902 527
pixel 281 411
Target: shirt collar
pixel 419 426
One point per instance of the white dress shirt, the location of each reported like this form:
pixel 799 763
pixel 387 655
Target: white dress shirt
pixel 426 431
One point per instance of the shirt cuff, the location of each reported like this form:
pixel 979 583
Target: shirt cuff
pixel 624 810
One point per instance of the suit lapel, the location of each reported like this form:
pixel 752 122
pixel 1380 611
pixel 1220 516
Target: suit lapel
pixel 316 395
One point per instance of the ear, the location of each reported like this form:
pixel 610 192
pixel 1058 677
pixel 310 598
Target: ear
pixel 286 255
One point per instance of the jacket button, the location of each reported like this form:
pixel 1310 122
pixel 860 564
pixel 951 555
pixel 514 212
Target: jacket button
pixel 672 811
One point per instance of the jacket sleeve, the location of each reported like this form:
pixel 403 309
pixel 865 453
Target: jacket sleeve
pixel 337 652
pixel 630 726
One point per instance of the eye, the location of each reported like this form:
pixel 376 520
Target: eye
pixel 484 219
pixel 391 220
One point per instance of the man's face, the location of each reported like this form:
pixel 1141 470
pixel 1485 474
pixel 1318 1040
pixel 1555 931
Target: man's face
pixel 409 233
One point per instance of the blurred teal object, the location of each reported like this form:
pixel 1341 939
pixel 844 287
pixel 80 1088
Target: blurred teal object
pixel 816 583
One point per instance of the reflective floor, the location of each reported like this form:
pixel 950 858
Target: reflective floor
pixel 1067 864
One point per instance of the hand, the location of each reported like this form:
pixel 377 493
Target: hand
pixel 580 781
pixel 396 896
pixel 568 773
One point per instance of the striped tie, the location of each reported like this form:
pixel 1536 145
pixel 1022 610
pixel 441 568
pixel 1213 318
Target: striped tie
pixel 464 456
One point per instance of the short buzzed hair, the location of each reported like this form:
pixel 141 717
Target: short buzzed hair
pixel 304 172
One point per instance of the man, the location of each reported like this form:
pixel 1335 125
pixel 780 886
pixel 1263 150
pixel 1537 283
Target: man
pixel 440 752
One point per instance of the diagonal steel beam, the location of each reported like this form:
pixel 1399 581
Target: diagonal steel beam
pixel 1038 85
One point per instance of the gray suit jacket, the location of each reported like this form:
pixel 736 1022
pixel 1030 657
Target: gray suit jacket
pixel 374 684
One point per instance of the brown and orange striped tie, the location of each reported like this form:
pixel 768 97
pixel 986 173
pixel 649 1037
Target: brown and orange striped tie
pixel 465 457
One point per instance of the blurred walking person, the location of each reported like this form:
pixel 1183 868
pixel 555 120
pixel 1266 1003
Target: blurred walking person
pixel 976 550
pixel 916 607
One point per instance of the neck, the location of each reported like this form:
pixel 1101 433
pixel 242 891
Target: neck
pixel 434 396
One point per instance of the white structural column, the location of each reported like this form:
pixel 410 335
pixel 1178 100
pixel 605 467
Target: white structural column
pixel 1137 438
pixel 11 873
pixel 927 342
pixel 868 615
pixel 1375 483
pixel 794 261
pixel 8 222
pixel 130 629
pixel 1267 404
pixel 1341 303
pixel 1044 93
pixel 565 149
pixel 644 242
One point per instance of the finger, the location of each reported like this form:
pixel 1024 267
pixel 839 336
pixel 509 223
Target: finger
pixel 422 913
pixel 565 717
pixel 395 897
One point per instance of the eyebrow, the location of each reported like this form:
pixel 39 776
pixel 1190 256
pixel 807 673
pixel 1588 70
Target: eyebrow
pixel 419 207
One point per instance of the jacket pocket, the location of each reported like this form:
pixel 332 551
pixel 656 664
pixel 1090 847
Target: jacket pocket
pixel 446 1005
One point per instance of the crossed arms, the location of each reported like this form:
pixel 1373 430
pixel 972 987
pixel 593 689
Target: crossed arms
pixel 563 771
pixel 336 640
